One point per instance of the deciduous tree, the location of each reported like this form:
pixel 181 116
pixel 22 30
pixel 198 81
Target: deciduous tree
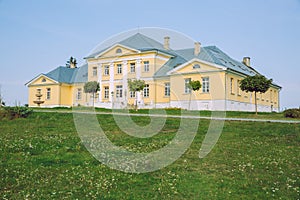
pixel 91 87
pixel 136 86
pixel 257 83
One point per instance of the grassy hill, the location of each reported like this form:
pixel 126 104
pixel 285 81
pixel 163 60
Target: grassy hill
pixel 42 157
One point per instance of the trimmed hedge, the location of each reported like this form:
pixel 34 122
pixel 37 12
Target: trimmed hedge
pixel 292 113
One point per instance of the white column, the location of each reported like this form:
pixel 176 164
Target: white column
pixel 111 80
pixel 124 80
pixel 100 80
pixel 138 69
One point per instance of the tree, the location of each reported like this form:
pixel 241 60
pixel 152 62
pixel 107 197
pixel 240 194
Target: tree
pixel 194 86
pixel 136 86
pixel 71 63
pixel 91 87
pixel 257 83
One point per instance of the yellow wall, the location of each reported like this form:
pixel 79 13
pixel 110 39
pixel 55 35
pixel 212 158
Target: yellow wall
pixel 84 97
pixel 216 89
pixel 54 99
pixel 160 91
pixel 112 52
pixel 203 68
pixel 236 94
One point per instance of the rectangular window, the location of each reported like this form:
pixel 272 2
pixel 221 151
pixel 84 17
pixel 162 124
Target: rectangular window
pixel 132 67
pixel 94 71
pixel 146 90
pixel 187 89
pixel 167 89
pixel 146 66
pixel 132 94
pixel 205 84
pixel 271 98
pixel 119 68
pixel 79 94
pixel 238 87
pixel 231 86
pixel 48 94
pixel 106 70
pixel 119 91
pixel 106 92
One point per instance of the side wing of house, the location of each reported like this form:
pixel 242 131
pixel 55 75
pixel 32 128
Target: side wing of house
pixel 46 92
pixel 211 95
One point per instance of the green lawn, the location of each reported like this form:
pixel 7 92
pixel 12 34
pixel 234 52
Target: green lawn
pixel 172 111
pixel 42 158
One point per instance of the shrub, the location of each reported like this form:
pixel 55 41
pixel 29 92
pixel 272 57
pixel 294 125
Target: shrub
pixel 292 113
pixel 15 112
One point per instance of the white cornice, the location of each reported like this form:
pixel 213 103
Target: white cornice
pixel 137 57
pixel 195 60
pixel 116 45
pixel 37 77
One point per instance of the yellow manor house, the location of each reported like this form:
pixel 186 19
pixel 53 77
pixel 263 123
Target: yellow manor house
pixel 166 73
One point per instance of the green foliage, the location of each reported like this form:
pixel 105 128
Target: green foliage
pixel 15 112
pixel 257 83
pixel 91 87
pixel 194 85
pixel 292 113
pixel 136 85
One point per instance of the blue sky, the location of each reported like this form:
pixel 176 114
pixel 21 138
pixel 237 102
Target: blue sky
pixel 37 36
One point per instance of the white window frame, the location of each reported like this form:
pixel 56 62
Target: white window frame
pixel 238 88
pixel 119 91
pixel 94 71
pixel 167 89
pixel 48 93
pixel 79 94
pixel 187 89
pixel 106 92
pixel 132 67
pixel 146 66
pixel 205 84
pixel 106 70
pixel 132 94
pixel 146 91
pixel 231 85
pixel 119 68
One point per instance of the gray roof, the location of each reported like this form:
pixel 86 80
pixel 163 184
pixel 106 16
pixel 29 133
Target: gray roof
pixel 210 54
pixel 69 75
pixel 139 42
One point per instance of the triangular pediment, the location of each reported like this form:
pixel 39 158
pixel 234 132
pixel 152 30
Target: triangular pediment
pixel 195 66
pixel 117 50
pixel 41 79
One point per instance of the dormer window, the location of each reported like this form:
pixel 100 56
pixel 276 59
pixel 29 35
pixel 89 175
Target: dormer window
pixel 196 66
pixel 119 51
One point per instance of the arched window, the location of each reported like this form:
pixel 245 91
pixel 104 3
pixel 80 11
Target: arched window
pixel 196 66
pixel 43 80
pixel 118 51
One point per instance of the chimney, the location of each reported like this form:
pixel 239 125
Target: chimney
pixel 72 65
pixel 197 48
pixel 246 61
pixel 166 42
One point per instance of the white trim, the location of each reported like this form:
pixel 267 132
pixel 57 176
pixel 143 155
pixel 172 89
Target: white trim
pixel 110 48
pixel 195 60
pixel 118 59
pixel 41 75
